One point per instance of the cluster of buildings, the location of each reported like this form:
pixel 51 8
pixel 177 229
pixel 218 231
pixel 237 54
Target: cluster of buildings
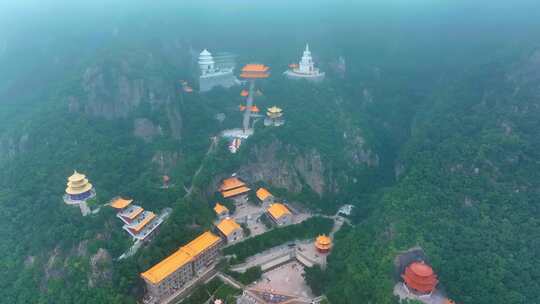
pixel 216 72
pixel 234 188
pixel 139 223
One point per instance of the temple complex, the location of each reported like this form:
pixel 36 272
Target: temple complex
pixel 139 223
pixel 171 274
pixel 280 214
pixel 305 69
pixel 78 189
pixel 221 211
pixel 230 230
pixel 323 243
pixel 232 187
pixel 274 117
pixel 419 278
pixel 213 74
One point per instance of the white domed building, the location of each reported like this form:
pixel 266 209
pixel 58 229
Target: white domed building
pixel 214 75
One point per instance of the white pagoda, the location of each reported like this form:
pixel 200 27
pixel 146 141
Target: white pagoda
pixel 212 74
pixel 305 69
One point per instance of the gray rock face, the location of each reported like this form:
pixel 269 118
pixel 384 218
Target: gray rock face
pixel 289 172
pixel 357 151
pixel 145 129
pixel 114 88
pixel 101 271
pixel 12 146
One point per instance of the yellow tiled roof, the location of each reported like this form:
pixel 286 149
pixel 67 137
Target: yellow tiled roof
pixel 231 183
pixel 201 243
pixel 121 203
pixel 278 210
pixel 323 242
pixel 236 191
pixel 167 266
pixel 219 208
pixel 143 223
pixel 134 213
pixel 180 258
pixel 228 226
pixel 263 194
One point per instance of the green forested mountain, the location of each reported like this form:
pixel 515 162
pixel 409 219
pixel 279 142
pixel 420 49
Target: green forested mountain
pixel 431 132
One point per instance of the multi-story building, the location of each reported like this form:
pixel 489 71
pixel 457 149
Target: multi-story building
pixel 233 187
pixel 139 223
pixel 172 273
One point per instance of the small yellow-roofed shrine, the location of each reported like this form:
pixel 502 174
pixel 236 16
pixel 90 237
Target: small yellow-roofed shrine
pixel 228 226
pixel 323 243
pixel 220 209
pixel 121 203
pixel 201 243
pixel 274 117
pixel 278 210
pixel 167 266
pixel 263 194
pixel 274 112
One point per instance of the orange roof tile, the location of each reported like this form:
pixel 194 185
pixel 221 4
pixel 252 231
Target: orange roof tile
pixel 263 194
pixel 323 242
pixel 231 183
pixel 143 223
pixel 219 208
pixel 234 192
pixel 278 210
pixel 244 93
pixel 228 226
pixel 134 213
pixel 181 257
pixel 167 266
pixel 201 243
pixel 252 67
pixel 121 203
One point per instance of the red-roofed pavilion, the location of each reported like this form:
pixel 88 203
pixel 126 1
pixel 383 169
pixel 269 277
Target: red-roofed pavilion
pixel 419 277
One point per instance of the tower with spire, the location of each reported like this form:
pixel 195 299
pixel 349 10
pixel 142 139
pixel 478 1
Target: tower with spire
pixel 305 69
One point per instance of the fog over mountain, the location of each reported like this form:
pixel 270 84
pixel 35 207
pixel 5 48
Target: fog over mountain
pixel 422 115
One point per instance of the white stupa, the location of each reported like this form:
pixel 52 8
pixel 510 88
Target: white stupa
pixel 212 74
pixel 305 69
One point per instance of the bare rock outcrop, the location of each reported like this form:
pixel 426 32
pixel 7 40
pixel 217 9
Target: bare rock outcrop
pixel 285 167
pixel 100 265
pixel 145 129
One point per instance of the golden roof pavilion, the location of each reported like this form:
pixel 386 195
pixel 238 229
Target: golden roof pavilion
pixel 78 184
pixel 323 243
pixel 274 112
